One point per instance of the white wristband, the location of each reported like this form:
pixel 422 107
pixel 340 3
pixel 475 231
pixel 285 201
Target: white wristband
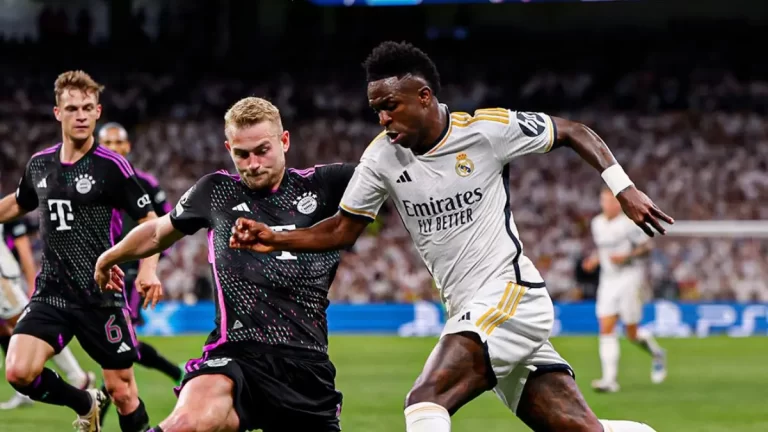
pixel 616 179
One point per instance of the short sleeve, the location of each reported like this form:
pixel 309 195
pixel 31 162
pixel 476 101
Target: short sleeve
pixel 333 179
pixel 132 197
pixel 524 133
pixel 365 193
pixel 26 196
pixel 156 193
pixel 17 228
pixel 193 209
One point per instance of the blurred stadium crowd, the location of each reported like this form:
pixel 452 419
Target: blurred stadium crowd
pixel 692 133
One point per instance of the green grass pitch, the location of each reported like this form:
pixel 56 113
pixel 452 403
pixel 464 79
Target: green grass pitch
pixel 714 384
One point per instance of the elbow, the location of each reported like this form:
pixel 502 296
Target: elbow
pixel 570 134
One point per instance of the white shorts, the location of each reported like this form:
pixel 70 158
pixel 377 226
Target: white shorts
pixel 515 323
pixel 621 296
pixel 12 298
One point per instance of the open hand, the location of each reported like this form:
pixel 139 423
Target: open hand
pixel 251 235
pixel 109 278
pixel 643 212
pixel 149 286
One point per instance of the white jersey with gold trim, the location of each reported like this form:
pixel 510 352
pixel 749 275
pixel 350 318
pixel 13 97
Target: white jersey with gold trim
pixel 454 200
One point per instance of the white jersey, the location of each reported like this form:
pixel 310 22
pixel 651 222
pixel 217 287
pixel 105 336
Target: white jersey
pixel 454 200
pixel 9 267
pixel 617 236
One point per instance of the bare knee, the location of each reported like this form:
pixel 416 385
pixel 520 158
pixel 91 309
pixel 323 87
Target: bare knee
pixel 20 375
pixel 188 420
pixel 631 332
pixel 121 387
pixel 25 360
pixel 552 402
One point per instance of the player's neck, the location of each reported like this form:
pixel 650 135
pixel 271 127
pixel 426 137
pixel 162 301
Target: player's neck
pixel 275 186
pixel 72 151
pixel 435 131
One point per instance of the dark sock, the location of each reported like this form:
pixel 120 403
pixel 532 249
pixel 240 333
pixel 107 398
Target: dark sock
pixel 156 429
pixel 4 341
pixel 137 421
pixel 106 405
pixel 152 359
pixel 51 389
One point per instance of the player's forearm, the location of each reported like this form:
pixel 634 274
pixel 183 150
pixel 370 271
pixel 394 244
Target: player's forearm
pixel 585 142
pixel 10 209
pixel 334 233
pixel 641 250
pixel 146 240
pixel 149 263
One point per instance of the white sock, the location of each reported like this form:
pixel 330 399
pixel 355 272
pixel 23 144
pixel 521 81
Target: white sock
pixel 646 338
pixel 427 417
pixel 609 357
pixel 625 426
pixel 68 364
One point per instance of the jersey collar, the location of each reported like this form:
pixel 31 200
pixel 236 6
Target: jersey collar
pixel 439 141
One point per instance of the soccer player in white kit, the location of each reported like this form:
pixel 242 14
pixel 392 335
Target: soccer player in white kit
pixel 621 248
pixel 448 175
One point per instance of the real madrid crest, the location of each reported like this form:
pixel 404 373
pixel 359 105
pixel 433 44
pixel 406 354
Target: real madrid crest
pixel 84 183
pixel 464 165
pixel 306 203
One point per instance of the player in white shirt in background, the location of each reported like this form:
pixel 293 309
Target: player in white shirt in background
pixel 621 250
pixel 13 300
pixel 448 175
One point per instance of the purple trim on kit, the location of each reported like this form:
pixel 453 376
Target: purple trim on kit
pixel 49 150
pixel 120 161
pixel 149 178
pixel 220 295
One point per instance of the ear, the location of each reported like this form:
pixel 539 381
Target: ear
pixel 425 96
pixel 57 113
pixel 227 146
pixel 98 111
pixel 285 138
pixel 128 145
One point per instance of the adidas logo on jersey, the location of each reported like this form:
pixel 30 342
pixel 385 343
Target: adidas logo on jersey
pixel 465 317
pixel 242 207
pixel 123 348
pixel 42 184
pixel 404 178
pixel 237 325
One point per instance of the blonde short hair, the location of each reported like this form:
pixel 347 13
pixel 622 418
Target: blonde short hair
pixel 250 111
pixel 76 80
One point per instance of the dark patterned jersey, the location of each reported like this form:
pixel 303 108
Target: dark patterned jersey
pixel 79 204
pixel 278 298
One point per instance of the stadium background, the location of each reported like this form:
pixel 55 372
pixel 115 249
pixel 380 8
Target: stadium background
pixel 678 90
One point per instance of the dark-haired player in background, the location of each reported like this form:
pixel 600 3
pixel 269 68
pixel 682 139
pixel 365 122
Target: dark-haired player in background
pixel 17 261
pixel 266 364
pixel 78 189
pixel 448 175
pixel 114 137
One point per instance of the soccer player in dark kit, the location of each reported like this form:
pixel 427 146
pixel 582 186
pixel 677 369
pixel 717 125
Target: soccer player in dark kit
pixel 265 366
pixel 79 188
pixel 114 137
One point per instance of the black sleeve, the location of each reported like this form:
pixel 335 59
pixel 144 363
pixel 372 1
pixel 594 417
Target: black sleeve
pixel 333 180
pixel 130 196
pixel 26 196
pixel 159 199
pixel 192 212
pixel 17 228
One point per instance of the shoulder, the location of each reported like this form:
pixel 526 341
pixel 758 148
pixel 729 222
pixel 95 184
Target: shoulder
pixel 115 159
pixel 484 119
pixel 45 155
pixel 598 220
pixel 147 179
pixel 378 148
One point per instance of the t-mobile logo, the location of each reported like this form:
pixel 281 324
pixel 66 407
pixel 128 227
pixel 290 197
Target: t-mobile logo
pixel 285 255
pixel 61 211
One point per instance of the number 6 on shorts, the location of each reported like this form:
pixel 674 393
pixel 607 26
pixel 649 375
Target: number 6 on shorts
pixel 114 334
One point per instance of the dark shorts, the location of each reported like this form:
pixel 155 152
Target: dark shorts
pixel 274 392
pixel 106 334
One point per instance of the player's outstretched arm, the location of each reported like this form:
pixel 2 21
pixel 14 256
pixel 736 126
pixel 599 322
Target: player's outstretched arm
pixel 10 209
pixel 337 232
pixel 636 205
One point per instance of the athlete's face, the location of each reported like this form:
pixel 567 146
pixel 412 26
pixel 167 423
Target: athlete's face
pixel 78 112
pixel 609 203
pixel 258 152
pixel 404 106
pixel 115 140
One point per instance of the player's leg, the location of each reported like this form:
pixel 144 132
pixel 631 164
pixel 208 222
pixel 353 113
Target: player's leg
pixel 631 315
pixel 206 404
pixel 607 310
pixel 76 376
pixel 18 400
pixel 551 402
pixel 107 337
pixel 456 372
pixel 150 358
